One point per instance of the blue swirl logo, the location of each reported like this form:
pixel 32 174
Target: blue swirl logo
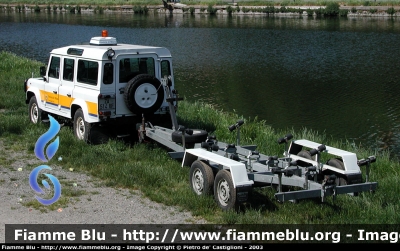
pixel 50 152
pixel 45 138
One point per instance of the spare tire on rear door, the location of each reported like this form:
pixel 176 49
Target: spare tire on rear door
pixel 144 94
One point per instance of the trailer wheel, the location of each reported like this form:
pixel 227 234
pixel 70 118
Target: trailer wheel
pixel 198 136
pixel 201 177
pixel 224 191
pixel 340 181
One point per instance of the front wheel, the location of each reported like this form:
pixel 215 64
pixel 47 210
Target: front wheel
pixel 81 127
pixel 224 191
pixel 35 113
pixel 201 177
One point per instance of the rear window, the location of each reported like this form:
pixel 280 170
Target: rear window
pixel 131 67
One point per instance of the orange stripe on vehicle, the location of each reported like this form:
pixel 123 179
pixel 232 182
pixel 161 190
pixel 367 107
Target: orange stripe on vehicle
pixel 49 97
pixel 92 107
pixel 66 101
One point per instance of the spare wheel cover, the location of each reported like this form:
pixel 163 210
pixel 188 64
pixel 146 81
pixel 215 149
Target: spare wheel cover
pixel 144 94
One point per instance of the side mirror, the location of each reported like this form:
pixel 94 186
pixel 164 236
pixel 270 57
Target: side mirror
pixel 42 72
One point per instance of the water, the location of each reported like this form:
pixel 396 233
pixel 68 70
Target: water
pixel 336 76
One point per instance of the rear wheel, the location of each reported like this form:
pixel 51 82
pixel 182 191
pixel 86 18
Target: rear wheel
pixel 81 127
pixel 201 178
pixel 224 191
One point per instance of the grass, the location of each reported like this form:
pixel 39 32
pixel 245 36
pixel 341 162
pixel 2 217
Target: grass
pixel 208 2
pixel 149 168
pixel 245 6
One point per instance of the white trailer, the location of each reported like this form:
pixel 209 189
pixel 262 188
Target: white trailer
pixel 230 171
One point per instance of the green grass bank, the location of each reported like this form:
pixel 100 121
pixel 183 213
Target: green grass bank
pixel 149 168
pixel 212 2
pixel 317 8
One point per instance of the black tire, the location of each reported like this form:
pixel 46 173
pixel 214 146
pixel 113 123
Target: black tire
pixel 340 180
pixel 35 113
pixel 198 136
pixel 81 127
pixel 224 191
pixel 201 178
pixel 144 94
pixel 305 154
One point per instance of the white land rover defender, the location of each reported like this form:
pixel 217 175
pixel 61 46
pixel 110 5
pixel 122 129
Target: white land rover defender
pixel 101 83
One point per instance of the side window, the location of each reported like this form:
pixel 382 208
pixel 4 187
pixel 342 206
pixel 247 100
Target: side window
pixel 131 67
pixel 108 73
pixel 87 72
pixel 54 71
pixel 68 72
pixel 165 68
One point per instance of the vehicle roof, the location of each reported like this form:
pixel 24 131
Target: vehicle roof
pixel 99 52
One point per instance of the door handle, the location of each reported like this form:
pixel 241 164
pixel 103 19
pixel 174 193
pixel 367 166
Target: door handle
pixel 55 92
pixel 69 95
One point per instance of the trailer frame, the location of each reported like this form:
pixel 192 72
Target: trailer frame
pixel 230 171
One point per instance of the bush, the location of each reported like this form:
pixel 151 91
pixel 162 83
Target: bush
pixel 353 10
pixel 373 11
pixel 98 9
pixel 319 12
pixel 211 10
pixel 245 10
pixel 229 9
pixel 343 13
pixel 332 9
pixel 269 9
pixel 310 12
pixel 391 11
pixel 36 8
pixel 192 10
pixel 137 9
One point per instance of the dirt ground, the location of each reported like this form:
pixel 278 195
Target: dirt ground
pixel 95 203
